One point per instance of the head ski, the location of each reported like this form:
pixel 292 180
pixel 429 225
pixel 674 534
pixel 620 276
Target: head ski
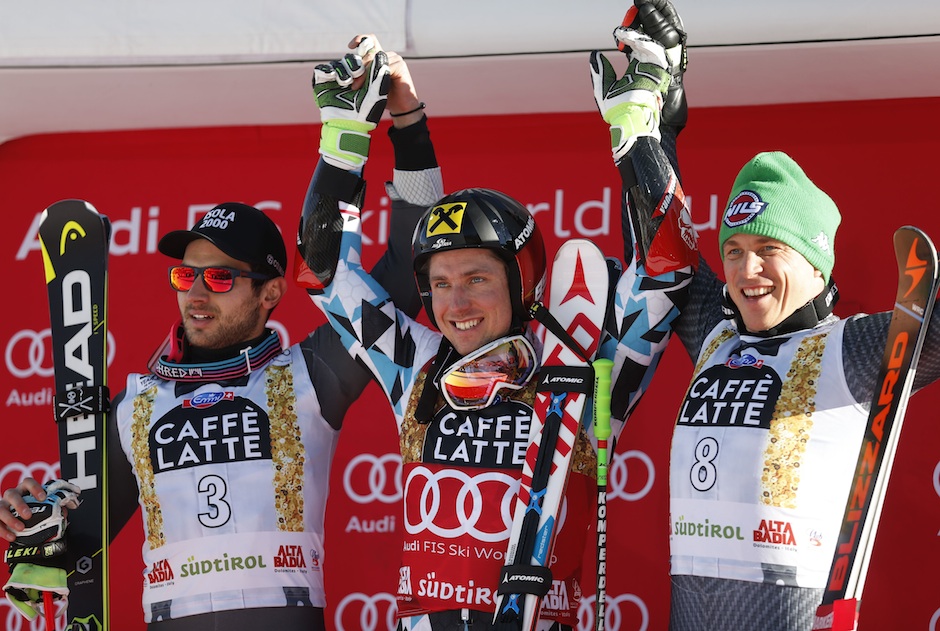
pixel 74 239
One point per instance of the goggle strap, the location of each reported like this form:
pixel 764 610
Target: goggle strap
pixel 566 379
pixel 540 313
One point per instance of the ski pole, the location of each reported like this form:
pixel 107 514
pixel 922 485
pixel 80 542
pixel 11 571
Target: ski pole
pixel 602 371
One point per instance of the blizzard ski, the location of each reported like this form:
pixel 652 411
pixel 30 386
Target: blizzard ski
pixel 917 291
pixel 578 299
pixel 74 240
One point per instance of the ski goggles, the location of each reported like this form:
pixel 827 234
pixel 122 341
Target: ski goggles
pixel 217 279
pixel 474 381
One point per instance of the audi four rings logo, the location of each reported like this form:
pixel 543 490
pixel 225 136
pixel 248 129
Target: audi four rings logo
pixel 614 618
pixel 13 473
pixel 617 476
pixel 465 494
pixel 382 478
pixel 370 610
pixel 29 353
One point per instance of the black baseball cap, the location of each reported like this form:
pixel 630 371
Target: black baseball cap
pixel 243 232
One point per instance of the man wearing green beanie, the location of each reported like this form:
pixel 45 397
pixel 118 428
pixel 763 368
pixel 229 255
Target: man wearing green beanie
pixel 767 437
pixel 772 200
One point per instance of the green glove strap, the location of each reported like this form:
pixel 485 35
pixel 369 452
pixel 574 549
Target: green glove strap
pixel 630 120
pixel 345 143
pixel 27 584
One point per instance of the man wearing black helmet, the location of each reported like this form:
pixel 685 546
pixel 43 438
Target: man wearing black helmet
pixel 227 442
pixel 479 262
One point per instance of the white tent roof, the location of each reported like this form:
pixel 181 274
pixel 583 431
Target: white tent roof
pixel 129 64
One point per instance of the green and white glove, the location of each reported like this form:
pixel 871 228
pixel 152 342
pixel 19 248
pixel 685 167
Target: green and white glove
pixel 632 104
pixel 36 556
pixel 347 115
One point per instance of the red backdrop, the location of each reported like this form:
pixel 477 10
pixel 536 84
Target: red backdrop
pixel 150 182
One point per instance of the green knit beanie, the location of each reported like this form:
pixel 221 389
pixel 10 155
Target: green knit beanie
pixel 772 197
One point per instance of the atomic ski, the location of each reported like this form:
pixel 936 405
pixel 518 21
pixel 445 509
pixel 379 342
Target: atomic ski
pixel 578 299
pixel 74 239
pixel 917 291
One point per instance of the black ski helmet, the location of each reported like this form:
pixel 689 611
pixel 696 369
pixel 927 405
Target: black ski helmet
pixel 484 218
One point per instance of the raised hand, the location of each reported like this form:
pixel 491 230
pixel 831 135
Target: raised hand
pixel 350 111
pixel 631 104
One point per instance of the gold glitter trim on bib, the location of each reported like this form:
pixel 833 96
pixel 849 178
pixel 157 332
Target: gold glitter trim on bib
pixel 719 339
pixel 140 447
pixel 791 424
pixel 287 449
pixel 706 354
pixel 412 433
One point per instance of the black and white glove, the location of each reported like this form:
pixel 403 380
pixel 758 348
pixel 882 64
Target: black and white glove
pixel 631 104
pixel 660 20
pixel 347 115
pixel 36 556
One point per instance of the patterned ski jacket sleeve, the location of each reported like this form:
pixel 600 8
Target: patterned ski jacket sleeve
pixel 374 322
pixel 660 255
pixel 417 184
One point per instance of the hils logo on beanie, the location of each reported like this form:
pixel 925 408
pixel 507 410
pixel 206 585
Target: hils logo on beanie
pixel 744 208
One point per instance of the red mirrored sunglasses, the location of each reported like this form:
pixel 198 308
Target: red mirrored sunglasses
pixel 217 278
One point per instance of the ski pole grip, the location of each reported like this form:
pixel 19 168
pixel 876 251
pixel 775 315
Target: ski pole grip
pixel 602 370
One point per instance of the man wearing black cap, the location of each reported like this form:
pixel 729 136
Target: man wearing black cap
pixel 227 442
pixel 238 241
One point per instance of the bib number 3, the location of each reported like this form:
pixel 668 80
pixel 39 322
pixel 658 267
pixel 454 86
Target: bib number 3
pixel 214 510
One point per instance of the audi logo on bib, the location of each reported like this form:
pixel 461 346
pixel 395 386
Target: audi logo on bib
pixel 451 504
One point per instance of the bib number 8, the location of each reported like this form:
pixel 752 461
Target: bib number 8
pixel 704 473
